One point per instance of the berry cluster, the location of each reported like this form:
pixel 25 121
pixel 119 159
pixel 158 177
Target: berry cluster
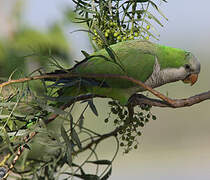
pixel 114 33
pixel 129 127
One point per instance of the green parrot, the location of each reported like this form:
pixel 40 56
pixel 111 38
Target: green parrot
pixel 152 64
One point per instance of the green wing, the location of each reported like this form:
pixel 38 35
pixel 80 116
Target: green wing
pixel 132 58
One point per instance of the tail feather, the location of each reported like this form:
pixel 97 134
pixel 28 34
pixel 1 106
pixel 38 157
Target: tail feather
pixel 73 81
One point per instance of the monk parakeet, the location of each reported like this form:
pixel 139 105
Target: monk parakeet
pixel 153 64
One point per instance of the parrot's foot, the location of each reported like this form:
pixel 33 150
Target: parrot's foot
pixel 133 101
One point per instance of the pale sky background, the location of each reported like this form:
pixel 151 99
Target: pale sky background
pixel 177 145
pixel 188 26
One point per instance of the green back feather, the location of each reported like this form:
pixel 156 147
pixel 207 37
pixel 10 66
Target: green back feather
pixel 134 58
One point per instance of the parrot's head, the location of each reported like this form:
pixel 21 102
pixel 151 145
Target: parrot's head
pixel 187 71
pixel 191 69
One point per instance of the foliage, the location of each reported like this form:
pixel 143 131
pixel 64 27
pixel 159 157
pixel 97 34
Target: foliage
pixel 22 47
pixel 42 126
pixel 31 46
pixel 115 21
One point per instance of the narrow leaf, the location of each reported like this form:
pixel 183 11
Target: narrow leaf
pixel 154 18
pixel 81 121
pixel 53 110
pixel 68 145
pixel 102 37
pixel 107 175
pixel 7 104
pixel 85 54
pixel 156 7
pixel 87 10
pixel 102 162
pixel 75 137
pixel 149 33
pixel 93 107
pixel 4 116
pixel 111 53
pixel 27 146
pixel 63 99
pixel 83 30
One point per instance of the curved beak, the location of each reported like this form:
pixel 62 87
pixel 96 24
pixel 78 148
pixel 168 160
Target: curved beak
pixel 192 78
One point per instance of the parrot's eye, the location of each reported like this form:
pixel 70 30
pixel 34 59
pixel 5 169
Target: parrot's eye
pixel 187 66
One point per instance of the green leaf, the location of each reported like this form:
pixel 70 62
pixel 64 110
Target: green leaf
pixel 7 104
pixel 111 53
pixel 101 162
pixel 81 121
pixel 63 99
pixel 85 54
pixel 27 146
pixel 93 107
pixel 53 110
pixel 156 7
pixel 87 10
pixel 107 175
pixel 150 16
pixel 69 145
pixel 149 33
pixel 83 30
pixel 75 138
pixel 4 116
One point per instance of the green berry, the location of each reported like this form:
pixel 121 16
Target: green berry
pixel 119 38
pixel 124 26
pixel 139 133
pixel 106 34
pixel 125 113
pixel 106 120
pixel 131 37
pixel 139 16
pixel 141 124
pixel 114 111
pixel 116 34
pixel 136 34
pixel 115 121
pixel 124 38
pixel 111 24
pixel 130 143
pixel 154 117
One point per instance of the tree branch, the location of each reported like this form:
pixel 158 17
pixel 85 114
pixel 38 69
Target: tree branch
pixel 98 140
pixel 111 76
pixel 139 99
